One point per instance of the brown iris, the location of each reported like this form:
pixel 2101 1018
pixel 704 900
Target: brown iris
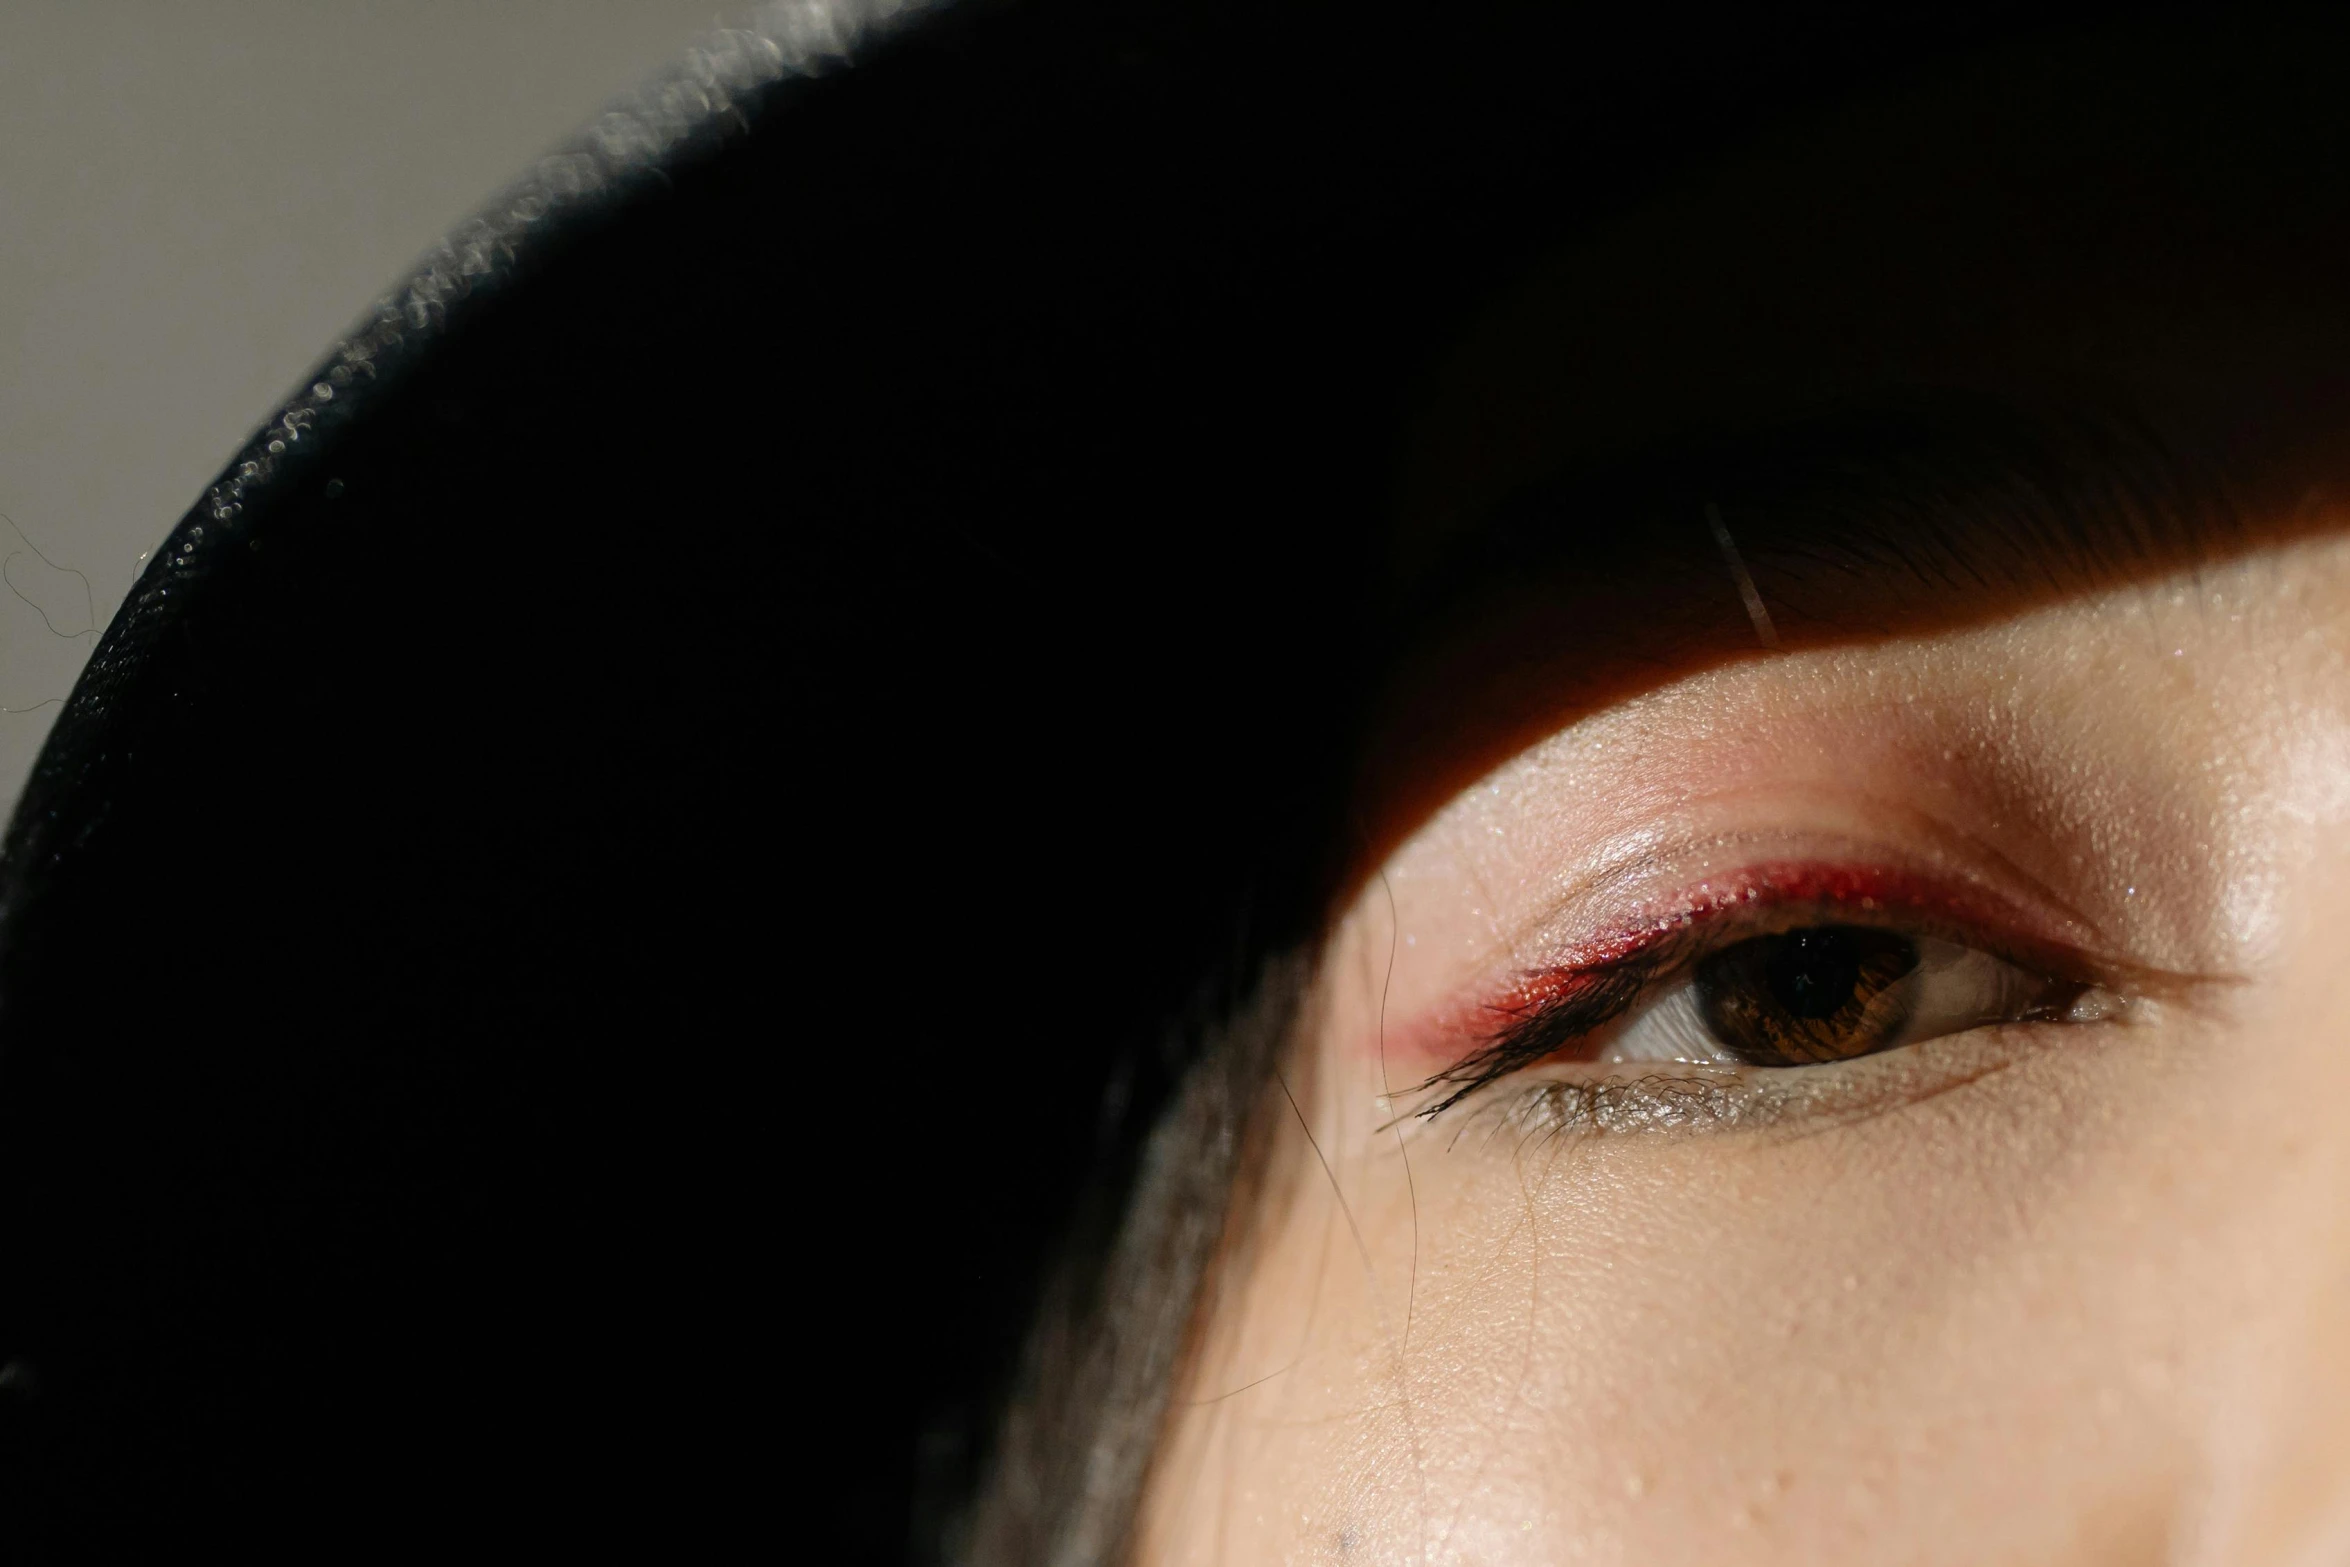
pixel 1826 993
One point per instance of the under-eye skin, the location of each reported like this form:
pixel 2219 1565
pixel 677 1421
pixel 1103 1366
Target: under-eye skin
pixel 1727 1021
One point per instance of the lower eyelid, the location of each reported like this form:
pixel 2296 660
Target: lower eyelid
pixel 1595 1100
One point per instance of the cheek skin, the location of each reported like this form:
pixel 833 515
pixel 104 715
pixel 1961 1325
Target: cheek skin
pixel 2092 1306
pixel 2270 1484
pixel 1610 1356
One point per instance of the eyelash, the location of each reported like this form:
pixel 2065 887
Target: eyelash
pixel 1568 1004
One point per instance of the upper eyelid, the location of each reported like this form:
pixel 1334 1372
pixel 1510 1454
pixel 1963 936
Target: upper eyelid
pixel 1904 842
pixel 1689 939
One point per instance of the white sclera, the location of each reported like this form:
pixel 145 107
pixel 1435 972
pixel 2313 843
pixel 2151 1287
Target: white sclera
pixel 1952 989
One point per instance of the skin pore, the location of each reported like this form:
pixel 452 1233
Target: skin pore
pixel 2058 1285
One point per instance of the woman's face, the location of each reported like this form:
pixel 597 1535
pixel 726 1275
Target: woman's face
pixel 1840 1046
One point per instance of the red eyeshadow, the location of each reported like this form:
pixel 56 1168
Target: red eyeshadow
pixel 1439 1038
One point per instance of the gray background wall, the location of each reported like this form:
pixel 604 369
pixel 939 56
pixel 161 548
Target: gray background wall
pixel 196 196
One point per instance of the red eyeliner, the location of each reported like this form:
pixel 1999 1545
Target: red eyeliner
pixel 1584 970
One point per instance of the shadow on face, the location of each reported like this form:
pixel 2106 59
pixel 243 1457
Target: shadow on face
pixel 2051 321
pixel 1925 521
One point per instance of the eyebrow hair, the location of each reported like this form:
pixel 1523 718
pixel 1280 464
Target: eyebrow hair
pixel 1957 495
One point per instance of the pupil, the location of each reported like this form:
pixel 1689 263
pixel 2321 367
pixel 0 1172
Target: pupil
pixel 1816 994
pixel 1813 973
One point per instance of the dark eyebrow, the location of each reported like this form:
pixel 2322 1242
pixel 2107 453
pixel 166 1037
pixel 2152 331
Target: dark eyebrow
pixel 1940 498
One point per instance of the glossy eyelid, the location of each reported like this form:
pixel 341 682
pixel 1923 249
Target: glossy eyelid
pixel 1670 946
pixel 1868 892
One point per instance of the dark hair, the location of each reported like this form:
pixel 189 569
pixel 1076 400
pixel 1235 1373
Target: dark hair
pixel 709 832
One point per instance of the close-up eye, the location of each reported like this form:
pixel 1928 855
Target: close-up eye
pixel 1742 981
pixel 1822 993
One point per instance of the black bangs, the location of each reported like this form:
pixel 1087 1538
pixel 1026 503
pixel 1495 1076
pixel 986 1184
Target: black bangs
pixel 615 1070
pixel 1958 492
